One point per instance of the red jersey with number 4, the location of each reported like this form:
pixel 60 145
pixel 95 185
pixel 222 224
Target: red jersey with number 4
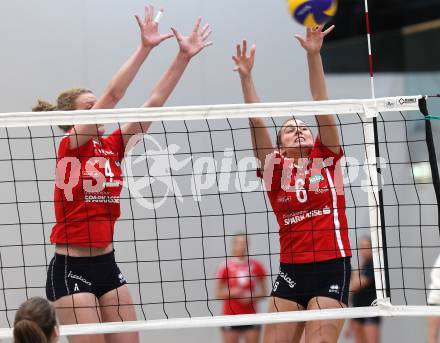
pixel 309 203
pixel 244 276
pixel 87 191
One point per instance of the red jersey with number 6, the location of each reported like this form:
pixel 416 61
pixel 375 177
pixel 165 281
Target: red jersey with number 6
pixel 87 191
pixel 309 203
pixel 241 275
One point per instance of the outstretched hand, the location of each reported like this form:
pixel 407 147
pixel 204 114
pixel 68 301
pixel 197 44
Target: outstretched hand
pixel 312 43
pixel 244 63
pixel 194 43
pixel 149 28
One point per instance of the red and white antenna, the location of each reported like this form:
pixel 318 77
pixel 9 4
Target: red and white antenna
pixel 370 55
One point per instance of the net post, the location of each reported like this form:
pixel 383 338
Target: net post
pixel 375 203
pixel 382 213
pixel 431 154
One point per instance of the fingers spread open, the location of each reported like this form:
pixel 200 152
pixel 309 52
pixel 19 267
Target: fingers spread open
pixel 146 14
pixel 204 29
pixel 176 33
pixel 206 35
pixel 151 13
pixel 138 20
pixel 238 50
pixel 197 25
pixel 253 50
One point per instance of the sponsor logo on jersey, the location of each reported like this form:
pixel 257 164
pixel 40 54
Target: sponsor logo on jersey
pixel 316 178
pixel 321 190
pixel 296 217
pixel 102 199
pixel 121 278
pixel 283 199
pixel 78 277
pixel 288 279
pixel 334 289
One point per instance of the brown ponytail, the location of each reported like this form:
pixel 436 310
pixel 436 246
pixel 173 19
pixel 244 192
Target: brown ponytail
pixel 66 101
pixel 27 331
pixel 35 321
pixel 43 106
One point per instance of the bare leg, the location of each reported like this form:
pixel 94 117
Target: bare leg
pixel 358 331
pixel 117 306
pixel 284 332
pixel 252 336
pixel 231 336
pixel 372 332
pixel 433 329
pixel 323 330
pixel 79 308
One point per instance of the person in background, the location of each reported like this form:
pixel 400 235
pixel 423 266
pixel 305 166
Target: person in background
pixel 363 293
pixel 434 300
pixel 36 322
pixel 241 284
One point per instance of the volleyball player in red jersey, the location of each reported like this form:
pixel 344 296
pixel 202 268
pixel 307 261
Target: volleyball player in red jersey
pixel 303 182
pixel 84 281
pixel 241 283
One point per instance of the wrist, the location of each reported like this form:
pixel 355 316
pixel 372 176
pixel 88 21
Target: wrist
pixel 145 49
pixel 245 78
pixel 313 53
pixel 184 57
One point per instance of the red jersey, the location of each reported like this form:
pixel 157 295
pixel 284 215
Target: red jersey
pixel 309 204
pixel 87 191
pixel 243 275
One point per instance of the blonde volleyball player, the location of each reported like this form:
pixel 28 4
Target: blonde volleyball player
pixel 83 279
pixel 303 182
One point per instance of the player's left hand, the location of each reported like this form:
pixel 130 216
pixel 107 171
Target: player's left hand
pixel 194 43
pixel 314 38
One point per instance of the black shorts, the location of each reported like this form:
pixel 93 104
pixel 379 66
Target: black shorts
pixel 304 281
pixel 368 320
pixel 241 328
pixel 69 275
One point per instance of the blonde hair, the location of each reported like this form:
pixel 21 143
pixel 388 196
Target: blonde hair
pixel 35 321
pixel 66 101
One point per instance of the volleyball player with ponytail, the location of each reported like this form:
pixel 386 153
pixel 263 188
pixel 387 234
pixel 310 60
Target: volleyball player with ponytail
pixel 36 322
pixel 303 182
pixel 83 279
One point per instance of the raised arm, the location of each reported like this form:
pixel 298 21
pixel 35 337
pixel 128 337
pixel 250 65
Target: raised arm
pixel 327 126
pixel 261 141
pixel 189 46
pixel 115 90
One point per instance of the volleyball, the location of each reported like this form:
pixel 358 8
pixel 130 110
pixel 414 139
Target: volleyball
pixel 312 13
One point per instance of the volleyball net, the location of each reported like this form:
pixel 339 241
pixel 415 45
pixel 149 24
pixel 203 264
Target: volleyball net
pixel 190 186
